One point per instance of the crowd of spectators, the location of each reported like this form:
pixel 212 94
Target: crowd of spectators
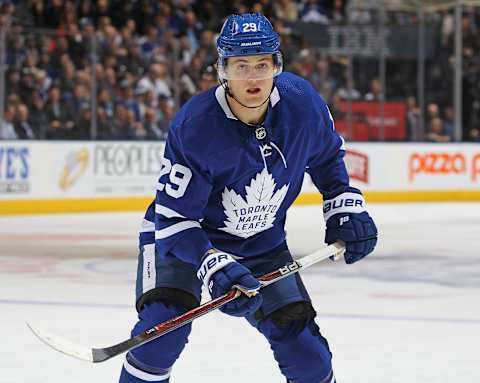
pixel 119 69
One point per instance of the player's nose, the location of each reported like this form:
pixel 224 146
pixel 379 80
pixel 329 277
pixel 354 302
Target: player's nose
pixel 252 80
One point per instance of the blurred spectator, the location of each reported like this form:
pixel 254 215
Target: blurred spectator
pixel 149 43
pixel 285 10
pixel 322 79
pixel 38 117
pixel 360 16
pixel 104 131
pixel 207 50
pixel 449 121
pixel 209 14
pixel 136 63
pixel 433 111
pixel 138 129
pixel 145 99
pixel 167 112
pixel 192 29
pixel 7 130
pixel 23 129
pixel 348 91
pixel 83 123
pixel 263 6
pixel 474 135
pixel 122 127
pixel 313 12
pixel 152 131
pixel 337 13
pixel 53 13
pixel 60 115
pixel 375 93
pixel 104 100
pixel 12 83
pixel 413 120
pixel 156 81
pixel 208 79
pixel 128 98
pixel 436 131
pixel 42 82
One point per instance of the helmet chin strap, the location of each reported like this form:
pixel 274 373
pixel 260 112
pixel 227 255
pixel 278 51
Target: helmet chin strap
pixel 229 92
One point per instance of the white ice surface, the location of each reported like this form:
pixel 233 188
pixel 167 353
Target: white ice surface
pixel 408 313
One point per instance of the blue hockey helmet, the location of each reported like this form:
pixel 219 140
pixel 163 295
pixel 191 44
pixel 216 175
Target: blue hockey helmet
pixel 245 35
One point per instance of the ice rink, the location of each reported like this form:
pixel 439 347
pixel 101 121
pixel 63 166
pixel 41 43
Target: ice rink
pixel 408 313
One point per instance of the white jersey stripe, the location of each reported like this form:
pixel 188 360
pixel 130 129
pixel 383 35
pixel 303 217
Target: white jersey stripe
pixel 343 144
pixel 144 375
pixel 147 226
pixel 174 229
pixel 149 269
pixel 222 100
pixel 166 212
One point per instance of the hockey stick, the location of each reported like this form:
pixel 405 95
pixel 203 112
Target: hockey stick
pixel 96 355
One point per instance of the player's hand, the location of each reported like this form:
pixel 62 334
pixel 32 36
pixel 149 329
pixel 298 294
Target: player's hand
pixel 347 220
pixel 219 272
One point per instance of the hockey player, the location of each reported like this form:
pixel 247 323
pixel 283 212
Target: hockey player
pixel 234 163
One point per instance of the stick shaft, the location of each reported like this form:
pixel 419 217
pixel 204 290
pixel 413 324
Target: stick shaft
pixel 332 251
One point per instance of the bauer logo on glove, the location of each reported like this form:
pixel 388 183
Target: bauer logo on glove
pixel 347 220
pixel 211 263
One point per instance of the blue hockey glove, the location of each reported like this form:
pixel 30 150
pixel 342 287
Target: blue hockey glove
pixel 218 271
pixel 347 220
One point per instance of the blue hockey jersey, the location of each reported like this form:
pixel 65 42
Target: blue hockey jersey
pixel 228 185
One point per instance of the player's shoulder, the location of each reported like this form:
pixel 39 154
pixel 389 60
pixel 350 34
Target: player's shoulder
pixel 197 107
pixel 199 124
pixel 199 113
pixel 299 96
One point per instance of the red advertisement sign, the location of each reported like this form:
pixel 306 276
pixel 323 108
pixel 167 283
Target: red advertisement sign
pixel 367 121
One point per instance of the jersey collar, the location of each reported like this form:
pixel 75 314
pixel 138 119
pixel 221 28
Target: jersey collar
pixel 222 100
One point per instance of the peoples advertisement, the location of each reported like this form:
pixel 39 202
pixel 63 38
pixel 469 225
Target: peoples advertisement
pixel 63 170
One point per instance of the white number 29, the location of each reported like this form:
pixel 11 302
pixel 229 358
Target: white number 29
pixel 179 177
pixel 249 27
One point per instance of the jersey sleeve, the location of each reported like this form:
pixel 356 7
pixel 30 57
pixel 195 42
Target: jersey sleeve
pixel 327 149
pixel 182 193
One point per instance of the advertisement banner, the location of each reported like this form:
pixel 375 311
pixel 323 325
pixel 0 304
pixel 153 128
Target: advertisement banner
pixel 98 176
pixel 404 167
pixel 62 170
pixel 367 122
pixel 412 167
pixel 15 163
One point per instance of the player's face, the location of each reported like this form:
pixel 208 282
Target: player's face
pixel 250 78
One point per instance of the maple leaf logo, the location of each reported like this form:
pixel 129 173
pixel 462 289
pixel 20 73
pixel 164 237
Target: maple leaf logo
pixel 256 213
